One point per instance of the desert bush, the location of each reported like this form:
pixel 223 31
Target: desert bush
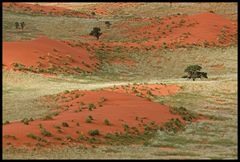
pixel 106 122
pixel 66 91
pixel 187 115
pixel 36 137
pixel 173 125
pixel 91 106
pixel 25 121
pixel 6 122
pixel 108 24
pixel 65 124
pixel 88 120
pixel 44 132
pixel 94 132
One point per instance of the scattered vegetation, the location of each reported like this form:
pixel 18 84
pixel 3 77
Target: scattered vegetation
pixel 26 120
pixel 187 115
pixel 89 119
pixel 44 132
pixel 36 137
pixel 65 124
pixel 91 106
pixel 106 122
pixel 94 132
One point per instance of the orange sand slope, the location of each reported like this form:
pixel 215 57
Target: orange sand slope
pixel 46 10
pixel 206 29
pixel 45 53
pixel 119 108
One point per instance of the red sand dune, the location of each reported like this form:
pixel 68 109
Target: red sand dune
pixel 44 52
pixel 118 108
pixel 205 29
pixel 145 89
pixel 36 8
pixel 178 30
pixel 108 9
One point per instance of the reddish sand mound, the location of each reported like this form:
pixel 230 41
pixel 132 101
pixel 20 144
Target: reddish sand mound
pixel 125 113
pixel 146 90
pixel 109 9
pixel 46 55
pixel 46 10
pixel 206 29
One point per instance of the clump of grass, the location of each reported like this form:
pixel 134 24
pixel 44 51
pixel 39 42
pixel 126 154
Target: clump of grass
pixel 91 106
pixel 187 115
pixel 57 127
pixel 44 132
pixel 26 120
pixel 10 136
pixel 78 124
pixel 65 124
pixel 94 132
pixel 33 136
pixel 126 127
pixel 149 93
pixel 6 122
pixel 139 95
pixel 164 45
pixel 106 122
pixel 47 117
pixel 66 91
pixel 134 90
pixel 89 119
pixel 173 125
pixel 80 137
pixel 69 137
pixel 58 138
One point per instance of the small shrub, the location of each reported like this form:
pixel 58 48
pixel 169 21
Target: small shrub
pixel 6 122
pixel 44 132
pixel 173 125
pixel 90 117
pixel 65 124
pixel 69 137
pixel 93 132
pixel 10 136
pixel 47 117
pixel 106 122
pixel 149 93
pixel 66 91
pixel 25 121
pixel 184 113
pixel 91 106
pixel 88 120
pixel 56 127
pixel 126 127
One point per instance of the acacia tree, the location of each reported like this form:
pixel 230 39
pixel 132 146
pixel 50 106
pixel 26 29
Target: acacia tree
pixel 194 71
pixel 17 25
pixel 96 32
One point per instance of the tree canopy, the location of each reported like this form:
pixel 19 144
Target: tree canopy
pixel 96 31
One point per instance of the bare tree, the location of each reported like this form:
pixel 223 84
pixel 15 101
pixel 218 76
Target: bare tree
pixel 22 25
pixel 17 25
